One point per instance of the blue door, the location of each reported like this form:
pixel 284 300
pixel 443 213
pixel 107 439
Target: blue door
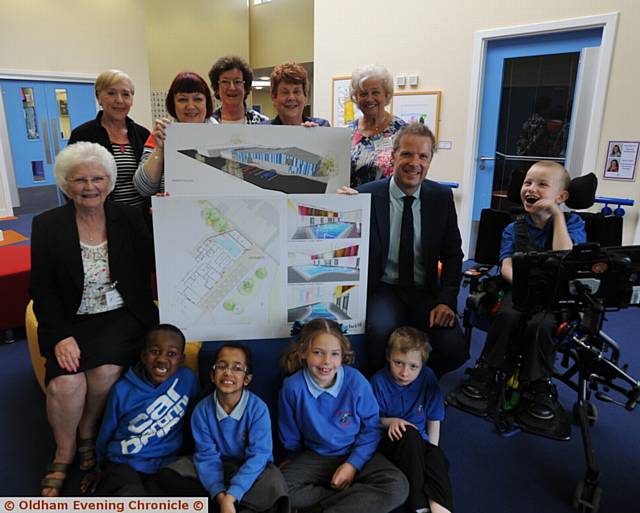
pixel 40 116
pixel 505 91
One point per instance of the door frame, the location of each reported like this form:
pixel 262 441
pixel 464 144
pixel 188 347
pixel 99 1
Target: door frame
pixel 7 171
pixel 609 24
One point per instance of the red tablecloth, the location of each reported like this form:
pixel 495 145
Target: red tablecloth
pixel 15 265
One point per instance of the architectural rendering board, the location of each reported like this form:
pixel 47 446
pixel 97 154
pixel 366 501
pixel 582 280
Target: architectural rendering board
pixel 246 159
pixel 228 267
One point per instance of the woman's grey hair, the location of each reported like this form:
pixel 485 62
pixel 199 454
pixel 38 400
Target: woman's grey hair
pixel 80 153
pixel 371 72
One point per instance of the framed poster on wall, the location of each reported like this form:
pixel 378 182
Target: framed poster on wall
pixel 343 109
pixel 622 157
pixel 420 106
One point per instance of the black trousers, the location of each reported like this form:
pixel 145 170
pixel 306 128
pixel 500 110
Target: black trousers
pixel 391 306
pixel 122 480
pixel 425 466
pixel 510 334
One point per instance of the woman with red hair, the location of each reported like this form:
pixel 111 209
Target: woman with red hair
pixel 188 101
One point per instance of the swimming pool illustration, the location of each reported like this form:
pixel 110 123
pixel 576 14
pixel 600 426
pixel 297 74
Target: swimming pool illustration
pixel 324 310
pixel 334 230
pixel 322 273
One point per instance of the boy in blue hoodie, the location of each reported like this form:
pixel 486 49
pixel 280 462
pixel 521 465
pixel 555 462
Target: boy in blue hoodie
pixel 144 418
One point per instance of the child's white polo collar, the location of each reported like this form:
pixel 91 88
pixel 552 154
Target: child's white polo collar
pixel 316 389
pixel 236 413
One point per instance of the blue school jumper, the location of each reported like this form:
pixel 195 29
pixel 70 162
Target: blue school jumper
pixel 143 423
pixel 335 421
pixel 243 436
pixel 417 402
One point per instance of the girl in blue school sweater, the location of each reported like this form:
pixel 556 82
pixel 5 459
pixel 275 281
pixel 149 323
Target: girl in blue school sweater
pixel 329 424
pixel 232 431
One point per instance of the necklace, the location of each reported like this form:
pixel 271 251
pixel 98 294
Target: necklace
pixel 378 127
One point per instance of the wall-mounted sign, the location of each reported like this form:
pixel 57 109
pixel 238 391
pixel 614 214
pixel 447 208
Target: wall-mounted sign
pixel 622 157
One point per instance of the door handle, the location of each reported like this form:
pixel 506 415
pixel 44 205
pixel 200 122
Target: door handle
pixel 47 146
pixel 483 159
pixel 54 136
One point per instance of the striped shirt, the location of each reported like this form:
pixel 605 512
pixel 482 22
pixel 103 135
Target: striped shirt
pixel 126 162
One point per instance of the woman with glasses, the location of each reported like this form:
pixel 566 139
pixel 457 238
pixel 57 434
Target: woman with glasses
pixel 231 79
pixel 117 132
pixel 91 262
pixel 188 101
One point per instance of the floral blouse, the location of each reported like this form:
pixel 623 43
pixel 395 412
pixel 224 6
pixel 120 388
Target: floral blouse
pixel 371 156
pixel 99 294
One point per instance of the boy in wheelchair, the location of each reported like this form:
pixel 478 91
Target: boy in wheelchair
pixel 512 334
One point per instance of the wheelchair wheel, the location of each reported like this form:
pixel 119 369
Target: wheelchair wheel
pixel 592 413
pixel 587 498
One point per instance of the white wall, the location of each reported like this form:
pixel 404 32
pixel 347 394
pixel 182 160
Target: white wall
pixel 76 37
pixel 435 41
pixel 190 35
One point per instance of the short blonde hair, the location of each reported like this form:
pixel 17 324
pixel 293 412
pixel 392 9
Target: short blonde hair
pixel 371 72
pixel 407 338
pixel 110 77
pixel 563 174
pixel 84 152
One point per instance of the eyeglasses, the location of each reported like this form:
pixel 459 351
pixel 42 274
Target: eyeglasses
pixel 235 368
pixel 227 83
pixel 94 180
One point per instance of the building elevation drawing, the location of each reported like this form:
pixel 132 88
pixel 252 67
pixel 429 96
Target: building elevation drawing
pixel 286 169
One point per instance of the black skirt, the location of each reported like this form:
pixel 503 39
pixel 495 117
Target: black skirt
pixel 114 337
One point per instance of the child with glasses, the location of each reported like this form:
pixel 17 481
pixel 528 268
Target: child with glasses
pixel 411 408
pixel 232 432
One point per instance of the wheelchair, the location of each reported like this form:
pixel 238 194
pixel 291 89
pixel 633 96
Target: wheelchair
pixel 581 286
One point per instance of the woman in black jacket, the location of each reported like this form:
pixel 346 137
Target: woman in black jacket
pixel 91 262
pixel 113 129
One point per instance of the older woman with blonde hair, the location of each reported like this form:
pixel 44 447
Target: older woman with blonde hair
pixel 372 133
pixel 91 261
pixel 117 132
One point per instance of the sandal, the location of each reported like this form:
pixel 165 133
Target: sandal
pixel 54 483
pixel 87 453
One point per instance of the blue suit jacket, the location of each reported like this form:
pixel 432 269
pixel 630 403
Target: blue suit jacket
pixel 440 238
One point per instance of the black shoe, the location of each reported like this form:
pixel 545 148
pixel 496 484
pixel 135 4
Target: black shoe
pixel 481 383
pixel 543 398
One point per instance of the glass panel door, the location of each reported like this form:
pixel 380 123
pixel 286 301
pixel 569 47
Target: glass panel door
pixel 535 115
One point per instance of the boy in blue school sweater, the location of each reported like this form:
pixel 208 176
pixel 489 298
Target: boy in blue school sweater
pixel 232 431
pixel 329 424
pixel 411 408
pixel 143 422
pixel 543 227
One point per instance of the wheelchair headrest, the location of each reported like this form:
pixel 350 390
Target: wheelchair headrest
pixel 582 190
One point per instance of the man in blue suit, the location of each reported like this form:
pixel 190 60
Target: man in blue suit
pixel 413 227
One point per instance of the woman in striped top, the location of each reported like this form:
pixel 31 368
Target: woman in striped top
pixel 113 129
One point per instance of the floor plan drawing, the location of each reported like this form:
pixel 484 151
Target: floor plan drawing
pixel 226 279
